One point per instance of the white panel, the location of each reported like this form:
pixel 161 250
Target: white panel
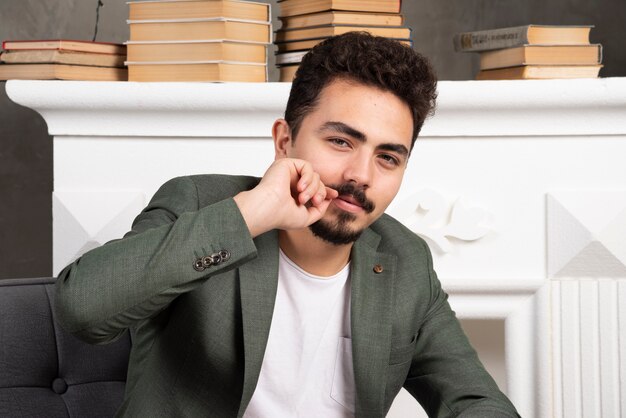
pixel 570 349
pixel 595 260
pixel 594 208
pixel 146 163
pixel 567 236
pixel 608 321
pixel 519 364
pixel 557 351
pixel 86 219
pixel 589 351
pixel 613 236
pixel 585 230
pixel 404 406
pixel 621 292
pixel 588 348
pixel 541 335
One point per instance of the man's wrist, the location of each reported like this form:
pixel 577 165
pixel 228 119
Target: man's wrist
pixel 251 210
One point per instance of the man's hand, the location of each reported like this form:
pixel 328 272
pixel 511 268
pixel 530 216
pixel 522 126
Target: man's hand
pixel 289 196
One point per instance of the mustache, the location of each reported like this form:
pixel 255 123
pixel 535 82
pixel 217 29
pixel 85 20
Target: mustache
pixel 357 193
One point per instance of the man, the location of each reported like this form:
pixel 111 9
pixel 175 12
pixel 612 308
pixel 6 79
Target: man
pixel 292 295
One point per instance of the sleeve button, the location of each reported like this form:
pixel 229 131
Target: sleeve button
pixel 198 265
pixel 225 255
pixel 207 261
pixel 216 258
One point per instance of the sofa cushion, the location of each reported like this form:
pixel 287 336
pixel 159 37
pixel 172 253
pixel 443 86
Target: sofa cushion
pixel 45 371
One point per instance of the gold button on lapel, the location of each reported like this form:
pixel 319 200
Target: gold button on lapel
pixel 378 269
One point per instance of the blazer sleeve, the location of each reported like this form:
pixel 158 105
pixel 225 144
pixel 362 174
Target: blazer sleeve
pixel 124 281
pixel 446 376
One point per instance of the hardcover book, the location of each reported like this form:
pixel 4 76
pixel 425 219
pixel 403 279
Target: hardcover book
pixel 398 32
pixel 177 9
pixel 341 18
pixel 199 29
pixel 529 72
pixel 197 71
pixel 299 7
pixel 61 72
pixel 66 45
pixel 59 56
pixel 521 35
pixel 310 43
pixel 542 55
pixel 211 50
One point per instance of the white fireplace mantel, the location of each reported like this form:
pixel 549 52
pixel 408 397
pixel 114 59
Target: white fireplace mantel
pixel 465 108
pixel 518 186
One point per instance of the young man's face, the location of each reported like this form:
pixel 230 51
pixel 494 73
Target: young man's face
pixel 358 140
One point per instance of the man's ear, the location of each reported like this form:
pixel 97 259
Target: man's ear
pixel 282 138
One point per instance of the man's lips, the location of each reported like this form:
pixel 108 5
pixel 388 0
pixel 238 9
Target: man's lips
pixel 348 203
pixel 352 199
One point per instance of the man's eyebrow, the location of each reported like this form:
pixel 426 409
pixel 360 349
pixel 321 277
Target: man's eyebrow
pixel 344 129
pixel 361 137
pixel 397 148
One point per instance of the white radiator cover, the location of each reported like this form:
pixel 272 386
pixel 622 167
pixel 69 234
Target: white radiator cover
pixel 518 186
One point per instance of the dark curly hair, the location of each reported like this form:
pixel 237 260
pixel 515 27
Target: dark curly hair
pixel 371 60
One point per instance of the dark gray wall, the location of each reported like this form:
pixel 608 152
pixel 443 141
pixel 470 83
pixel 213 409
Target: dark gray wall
pixel 434 22
pixel 26 148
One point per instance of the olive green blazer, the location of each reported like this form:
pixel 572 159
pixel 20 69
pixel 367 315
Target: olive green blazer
pixel 199 336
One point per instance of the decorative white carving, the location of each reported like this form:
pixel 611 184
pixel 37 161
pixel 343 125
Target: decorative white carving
pixel 586 233
pixel 84 220
pixel 428 214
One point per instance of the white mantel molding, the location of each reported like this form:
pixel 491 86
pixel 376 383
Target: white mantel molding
pixel 523 305
pixel 465 108
pixel 490 299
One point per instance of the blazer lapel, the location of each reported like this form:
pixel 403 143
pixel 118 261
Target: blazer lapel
pixel 258 281
pixel 372 276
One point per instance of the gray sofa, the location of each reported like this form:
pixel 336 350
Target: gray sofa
pixel 46 372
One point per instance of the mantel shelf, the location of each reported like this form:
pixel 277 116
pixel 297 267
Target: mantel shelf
pixel 465 108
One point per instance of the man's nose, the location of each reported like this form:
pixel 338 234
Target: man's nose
pixel 359 170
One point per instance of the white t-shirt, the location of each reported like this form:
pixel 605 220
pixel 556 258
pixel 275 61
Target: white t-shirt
pixel 307 369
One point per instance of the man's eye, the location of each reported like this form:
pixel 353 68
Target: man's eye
pixel 339 142
pixel 389 159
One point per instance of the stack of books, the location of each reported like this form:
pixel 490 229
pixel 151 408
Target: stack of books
pixel 198 40
pixel 305 23
pixel 62 60
pixel 533 52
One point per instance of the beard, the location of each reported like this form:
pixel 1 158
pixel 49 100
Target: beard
pixel 339 230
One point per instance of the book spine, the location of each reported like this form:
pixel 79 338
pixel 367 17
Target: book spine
pixel 491 39
pixel 600 54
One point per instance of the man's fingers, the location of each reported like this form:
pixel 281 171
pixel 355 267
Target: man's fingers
pixel 323 193
pixel 331 193
pixel 311 190
pixel 316 212
pixel 306 174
